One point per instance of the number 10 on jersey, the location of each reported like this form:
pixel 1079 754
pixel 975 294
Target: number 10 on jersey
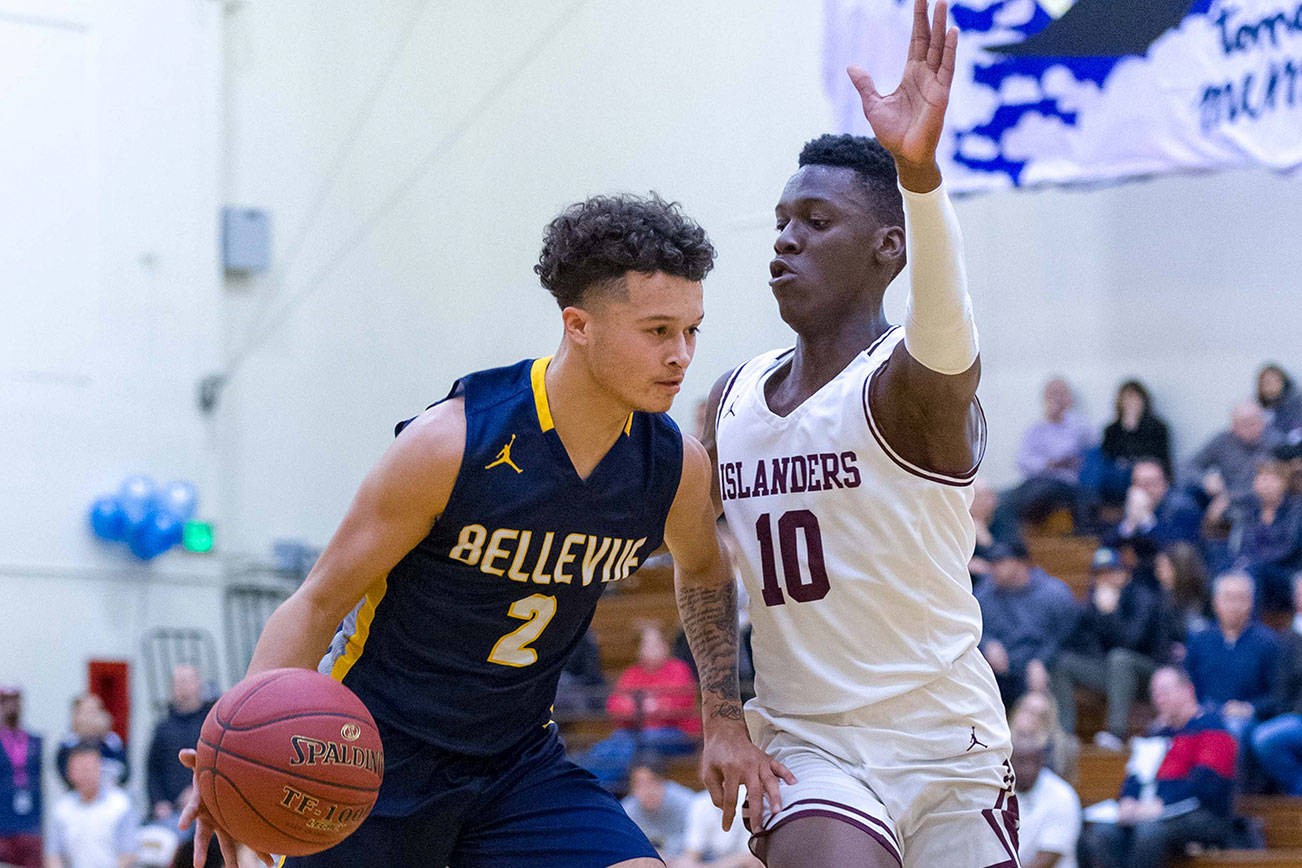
pixel 792 526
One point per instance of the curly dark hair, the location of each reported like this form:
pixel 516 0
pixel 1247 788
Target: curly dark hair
pixel 872 164
pixel 593 244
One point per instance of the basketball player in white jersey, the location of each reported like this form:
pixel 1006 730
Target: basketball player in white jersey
pixel 845 466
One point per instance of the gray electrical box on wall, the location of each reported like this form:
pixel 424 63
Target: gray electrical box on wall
pixel 246 240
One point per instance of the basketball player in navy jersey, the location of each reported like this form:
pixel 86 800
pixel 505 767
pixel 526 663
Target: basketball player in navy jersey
pixel 844 470
pixel 470 562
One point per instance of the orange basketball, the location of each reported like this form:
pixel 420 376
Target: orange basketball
pixel 289 762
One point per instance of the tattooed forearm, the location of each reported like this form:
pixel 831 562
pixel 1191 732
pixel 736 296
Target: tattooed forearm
pixel 709 617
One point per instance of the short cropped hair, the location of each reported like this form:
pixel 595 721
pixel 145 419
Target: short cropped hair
pixel 872 164
pixel 594 244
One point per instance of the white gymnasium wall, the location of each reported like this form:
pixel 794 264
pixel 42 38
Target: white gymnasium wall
pixel 411 154
pixel 110 118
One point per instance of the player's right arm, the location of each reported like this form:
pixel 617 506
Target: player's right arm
pixel 394 509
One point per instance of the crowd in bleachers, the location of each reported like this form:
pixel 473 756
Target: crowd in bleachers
pixel 94 822
pixel 1188 632
pixel 1193 603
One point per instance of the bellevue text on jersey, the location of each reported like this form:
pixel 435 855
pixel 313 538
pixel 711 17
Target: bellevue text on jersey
pixel 513 553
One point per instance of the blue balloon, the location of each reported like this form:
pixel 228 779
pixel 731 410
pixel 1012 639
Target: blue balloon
pixel 156 534
pixel 178 499
pixel 136 496
pixel 107 519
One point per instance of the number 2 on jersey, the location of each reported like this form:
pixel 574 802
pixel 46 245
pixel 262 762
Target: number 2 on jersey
pixel 791 523
pixel 513 649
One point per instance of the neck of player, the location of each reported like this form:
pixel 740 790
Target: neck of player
pixel 588 418
pixel 821 355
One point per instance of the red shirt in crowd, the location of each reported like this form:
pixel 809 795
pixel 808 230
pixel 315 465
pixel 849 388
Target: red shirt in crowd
pixel 668 697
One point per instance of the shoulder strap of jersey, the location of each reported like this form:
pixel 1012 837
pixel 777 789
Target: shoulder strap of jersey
pixel 745 377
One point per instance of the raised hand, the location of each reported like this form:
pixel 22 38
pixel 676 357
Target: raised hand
pixel 908 122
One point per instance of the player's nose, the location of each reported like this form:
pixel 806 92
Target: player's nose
pixel 788 241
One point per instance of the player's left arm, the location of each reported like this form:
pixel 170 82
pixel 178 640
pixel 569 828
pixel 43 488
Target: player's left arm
pixel 707 605
pixel 924 398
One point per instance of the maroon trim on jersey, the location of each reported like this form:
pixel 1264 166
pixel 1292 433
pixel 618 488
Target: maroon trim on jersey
pixel 877 343
pixel 886 839
pixel 1008 818
pixel 723 398
pixel 961 480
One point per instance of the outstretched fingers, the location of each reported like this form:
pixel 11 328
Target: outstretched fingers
pixel 920 41
pixel 936 38
pixel 945 75
pixel 863 82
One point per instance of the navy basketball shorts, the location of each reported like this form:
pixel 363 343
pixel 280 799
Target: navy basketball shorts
pixel 529 806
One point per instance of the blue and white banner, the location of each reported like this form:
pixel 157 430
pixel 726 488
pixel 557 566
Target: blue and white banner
pixel 1082 91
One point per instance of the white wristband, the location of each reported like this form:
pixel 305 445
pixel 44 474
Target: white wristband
pixel 939 330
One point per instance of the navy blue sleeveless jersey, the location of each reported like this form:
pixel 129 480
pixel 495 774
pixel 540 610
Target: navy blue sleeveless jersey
pixel 462 644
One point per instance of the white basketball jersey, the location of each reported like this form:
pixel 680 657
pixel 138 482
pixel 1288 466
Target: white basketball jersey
pixel 855 560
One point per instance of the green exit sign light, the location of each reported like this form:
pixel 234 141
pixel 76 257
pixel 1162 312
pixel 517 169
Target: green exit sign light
pixel 196 536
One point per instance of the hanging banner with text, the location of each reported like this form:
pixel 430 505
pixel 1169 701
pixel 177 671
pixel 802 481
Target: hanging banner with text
pixel 1082 91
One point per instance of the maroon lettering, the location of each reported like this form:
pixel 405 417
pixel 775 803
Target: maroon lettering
pixel 831 467
pixel 799 474
pixel 815 484
pixel 779 475
pixel 851 471
pixel 761 486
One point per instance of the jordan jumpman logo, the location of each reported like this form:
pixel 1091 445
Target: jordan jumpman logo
pixel 975 741
pixel 504 457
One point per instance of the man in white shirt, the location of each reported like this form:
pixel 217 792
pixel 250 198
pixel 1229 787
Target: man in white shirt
pixel 92 826
pixel 1049 807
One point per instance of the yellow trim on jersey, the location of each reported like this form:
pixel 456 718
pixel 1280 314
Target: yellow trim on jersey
pixel 537 376
pixel 280 863
pixel 357 641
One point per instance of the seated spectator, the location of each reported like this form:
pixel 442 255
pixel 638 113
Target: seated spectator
pixel 657 695
pixel 1232 664
pixel 1277 742
pixel 654 706
pixel 1047 805
pixel 92 826
pixel 1224 468
pixel 1186 605
pixel 20 784
pixel 1283 405
pixel 581 691
pixel 1156 514
pixel 706 843
pixel 1178 784
pixel 1027 615
pixel 658 806
pixel 988 529
pixel 1039 711
pixel 91 722
pixel 1113 647
pixel 1136 433
pixel 1049 460
pixel 165 776
pixel 1267 540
